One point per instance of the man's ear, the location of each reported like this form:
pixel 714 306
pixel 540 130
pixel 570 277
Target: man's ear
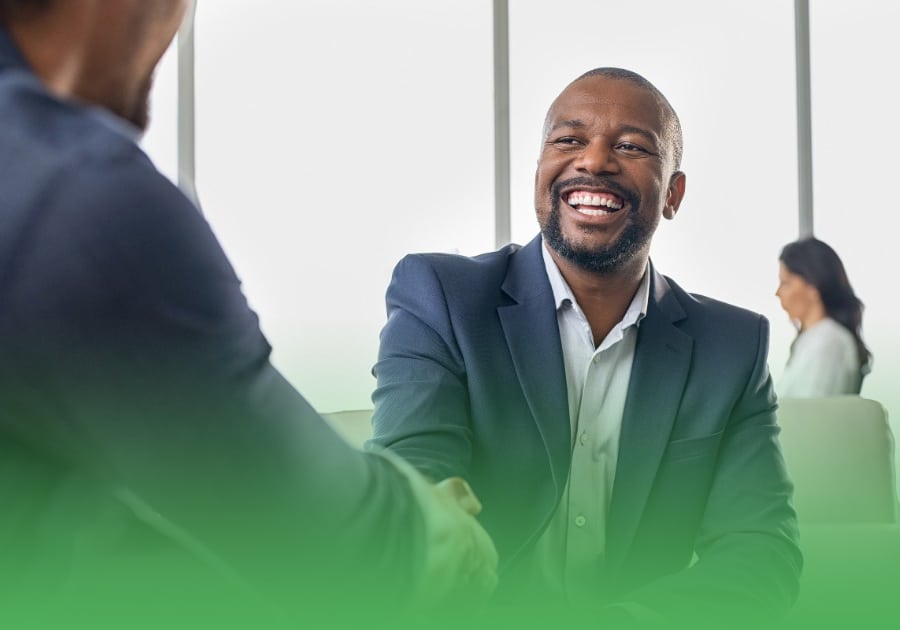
pixel 674 194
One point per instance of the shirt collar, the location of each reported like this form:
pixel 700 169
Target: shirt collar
pixel 562 292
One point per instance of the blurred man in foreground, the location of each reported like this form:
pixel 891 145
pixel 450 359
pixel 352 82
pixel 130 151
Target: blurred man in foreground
pixel 151 458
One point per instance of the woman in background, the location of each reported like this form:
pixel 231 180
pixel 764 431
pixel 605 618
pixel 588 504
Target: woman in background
pixel 828 357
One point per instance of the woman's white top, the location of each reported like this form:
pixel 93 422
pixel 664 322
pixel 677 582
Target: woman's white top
pixel 824 361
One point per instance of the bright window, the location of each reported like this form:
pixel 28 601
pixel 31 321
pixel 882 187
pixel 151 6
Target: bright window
pixel 332 139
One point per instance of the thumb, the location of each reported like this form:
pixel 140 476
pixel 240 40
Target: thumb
pixel 460 491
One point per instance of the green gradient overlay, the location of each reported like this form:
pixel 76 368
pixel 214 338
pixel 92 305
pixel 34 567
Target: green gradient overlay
pixel 106 569
pixel 851 580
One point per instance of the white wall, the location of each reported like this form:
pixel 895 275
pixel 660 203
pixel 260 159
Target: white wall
pixel 855 95
pixel 332 139
pixel 161 139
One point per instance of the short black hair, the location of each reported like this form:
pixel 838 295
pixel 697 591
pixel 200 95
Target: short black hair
pixel 11 10
pixel 673 123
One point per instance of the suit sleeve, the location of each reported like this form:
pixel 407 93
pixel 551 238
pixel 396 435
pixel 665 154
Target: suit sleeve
pixel 748 562
pixel 421 399
pixel 140 360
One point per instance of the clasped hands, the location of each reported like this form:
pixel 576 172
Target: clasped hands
pixel 460 558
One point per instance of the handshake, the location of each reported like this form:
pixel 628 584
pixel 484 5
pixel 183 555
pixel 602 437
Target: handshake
pixel 460 561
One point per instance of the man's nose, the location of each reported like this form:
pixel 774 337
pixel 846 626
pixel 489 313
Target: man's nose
pixel 598 157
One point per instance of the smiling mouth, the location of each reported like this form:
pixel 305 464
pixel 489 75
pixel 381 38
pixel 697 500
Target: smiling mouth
pixel 594 204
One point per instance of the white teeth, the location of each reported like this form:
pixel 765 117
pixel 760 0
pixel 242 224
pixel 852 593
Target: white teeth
pixel 592 213
pixel 609 203
pixel 588 199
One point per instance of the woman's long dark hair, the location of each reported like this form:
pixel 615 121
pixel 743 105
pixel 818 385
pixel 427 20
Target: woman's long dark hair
pixel 819 265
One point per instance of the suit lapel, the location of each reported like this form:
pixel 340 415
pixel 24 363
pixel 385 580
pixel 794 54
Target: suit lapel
pixel 662 359
pixel 532 336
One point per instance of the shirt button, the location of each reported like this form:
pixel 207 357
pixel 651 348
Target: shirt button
pixel 596 360
pixel 584 438
pixel 580 521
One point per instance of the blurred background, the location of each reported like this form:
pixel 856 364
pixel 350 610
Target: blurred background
pixel 335 136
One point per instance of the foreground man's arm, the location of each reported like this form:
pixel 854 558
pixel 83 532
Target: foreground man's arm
pixel 131 360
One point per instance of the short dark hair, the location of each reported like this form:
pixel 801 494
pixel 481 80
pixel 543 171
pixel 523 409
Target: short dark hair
pixel 673 123
pixel 11 10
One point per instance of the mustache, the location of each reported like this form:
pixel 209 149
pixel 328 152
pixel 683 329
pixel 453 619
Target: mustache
pixel 632 198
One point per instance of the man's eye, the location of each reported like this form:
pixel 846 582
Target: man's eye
pixel 631 148
pixel 567 141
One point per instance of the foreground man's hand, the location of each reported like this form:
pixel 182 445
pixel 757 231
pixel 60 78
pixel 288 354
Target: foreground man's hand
pixel 460 558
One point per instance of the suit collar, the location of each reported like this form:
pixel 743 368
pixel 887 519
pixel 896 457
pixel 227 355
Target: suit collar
pixel 662 360
pixel 526 278
pixel 532 336
pixel 664 297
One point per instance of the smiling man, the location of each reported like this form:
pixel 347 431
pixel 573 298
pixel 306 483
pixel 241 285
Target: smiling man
pixel 619 430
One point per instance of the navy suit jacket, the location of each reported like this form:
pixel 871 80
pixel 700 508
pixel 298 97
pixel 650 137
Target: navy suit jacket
pixel 471 382
pixel 149 451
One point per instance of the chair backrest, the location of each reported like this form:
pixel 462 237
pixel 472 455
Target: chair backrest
pixel 840 453
pixel 354 426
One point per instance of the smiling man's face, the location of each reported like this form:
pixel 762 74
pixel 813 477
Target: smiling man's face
pixel 606 173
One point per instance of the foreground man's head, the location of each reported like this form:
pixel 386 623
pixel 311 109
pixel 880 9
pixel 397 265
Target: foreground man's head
pixel 99 52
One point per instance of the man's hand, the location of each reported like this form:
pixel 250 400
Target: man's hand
pixel 457 489
pixel 460 558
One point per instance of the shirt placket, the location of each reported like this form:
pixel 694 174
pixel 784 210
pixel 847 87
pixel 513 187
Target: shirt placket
pixel 586 527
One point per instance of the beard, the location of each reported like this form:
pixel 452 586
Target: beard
pixel 113 94
pixel 138 114
pixel 601 259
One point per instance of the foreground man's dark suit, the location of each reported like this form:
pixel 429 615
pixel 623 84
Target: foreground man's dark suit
pixel 471 383
pixel 148 449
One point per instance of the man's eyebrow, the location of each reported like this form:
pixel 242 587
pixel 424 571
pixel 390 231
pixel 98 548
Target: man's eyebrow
pixel 572 123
